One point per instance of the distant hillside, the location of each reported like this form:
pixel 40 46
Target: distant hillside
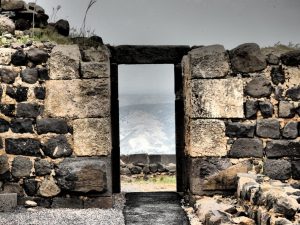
pixel 147 128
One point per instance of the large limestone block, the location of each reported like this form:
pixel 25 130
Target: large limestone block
pixel 77 98
pixel 64 62
pixel 215 98
pixel 209 62
pixel 92 137
pixel 82 175
pixel 206 138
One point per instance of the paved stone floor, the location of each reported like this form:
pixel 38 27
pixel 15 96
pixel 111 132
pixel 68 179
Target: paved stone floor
pixel 156 208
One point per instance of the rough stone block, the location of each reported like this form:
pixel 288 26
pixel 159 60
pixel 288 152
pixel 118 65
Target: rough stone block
pixel 8 74
pixel 290 130
pixel 278 169
pixel 251 108
pixel 101 54
pixel 8 202
pixel 4 166
pixel 136 158
pixel 240 130
pixel 209 62
pixel 92 137
pixel 28 110
pixel 51 125
pixel 101 203
pixel 277 75
pixel 291 58
pixel 4 126
pixel 282 148
pixel 57 147
pixel 259 87
pixel 268 128
pixel 5 55
pixel 216 98
pixel 294 93
pixel 70 203
pixel 206 138
pixel 83 175
pixel 95 70
pixel 246 148
pixel 266 109
pixel 64 62
pixel 22 146
pixel 78 98
pixel 22 125
pixel 7 109
pixel 286 109
pixel 21 167
pixel 30 186
pixel 247 58
pixel 42 167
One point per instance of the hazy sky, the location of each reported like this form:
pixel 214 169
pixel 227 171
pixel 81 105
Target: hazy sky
pixel 187 22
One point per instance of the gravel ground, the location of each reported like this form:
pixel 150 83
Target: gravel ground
pixel 41 216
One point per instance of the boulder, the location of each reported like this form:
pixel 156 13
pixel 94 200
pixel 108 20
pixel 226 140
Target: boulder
pixel 7 25
pixel 62 27
pixel 247 58
pixel 19 58
pixel 291 58
pixel 37 56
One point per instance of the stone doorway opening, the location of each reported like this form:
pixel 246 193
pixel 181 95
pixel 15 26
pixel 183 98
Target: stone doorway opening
pixel 147 127
pixel 136 55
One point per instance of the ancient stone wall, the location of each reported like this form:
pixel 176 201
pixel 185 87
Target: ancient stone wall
pixel 55 125
pixel 241 115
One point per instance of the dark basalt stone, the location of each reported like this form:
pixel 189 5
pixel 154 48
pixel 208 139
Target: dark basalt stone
pixel 8 76
pixel 52 125
pixel 19 58
pixel 40 93
pixel 291 58
pixel 246 148
pixel 279 169
pixel 4 125
pixel 240 130
pixel 282 148
pixel 30 186
pixel 18 93
pixel 4 168
pixel 30 75
pixel 27 110
pixel 42 167
pixel 62 27
pixel 43 73
pixel 294 93
pixel 7 109
pixel 268 128
pixel 259 87
pixel 22 125
pixel 277 74
pixel 22 146
pixel 251 108
pixel 296 169
pixel 290 130
pixel 37 56
pixel 57 147
pixel 21 167
pixel 247 58
pixel 266 109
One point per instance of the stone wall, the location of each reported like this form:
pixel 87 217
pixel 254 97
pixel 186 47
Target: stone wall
pixel 241 114
pixel 55 125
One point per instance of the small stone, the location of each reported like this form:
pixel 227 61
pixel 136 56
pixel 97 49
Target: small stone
pixel 286 109
pixel 22 126
pixel 268 128
pixel 29 75
pixel 4 164
pixel 266 109
pixel 7 109
pixel 28 110
pixel 236 129
pixel 22 146
pixel 19 58
pixel 125 171
pixel 7 25
pixel 294 93
pixel 247 58
pixel 272 59
pixel 29 204
pixel 57 147
pixel 37 56
pixel 251 108
pixel 4 126
pixel 21 167
pixel 246 148
pixel 40 93
pixel 282 148
pixel 291 58
pixel 8 75
pixel 51 125
pixel 42 167
pixel 30 186
pixel 62 27
pixel 290 130
pixel 286 205
pixel 135 169
pixel 49 188
pixel 153 167
pixel 277 74
pixel 259 87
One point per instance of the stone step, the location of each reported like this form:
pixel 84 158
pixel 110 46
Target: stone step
pixel 154 208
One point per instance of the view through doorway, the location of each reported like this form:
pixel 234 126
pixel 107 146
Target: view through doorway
pixel 147 128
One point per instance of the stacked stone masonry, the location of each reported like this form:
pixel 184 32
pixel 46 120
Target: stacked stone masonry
pixel 242 113
pixel 55 130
